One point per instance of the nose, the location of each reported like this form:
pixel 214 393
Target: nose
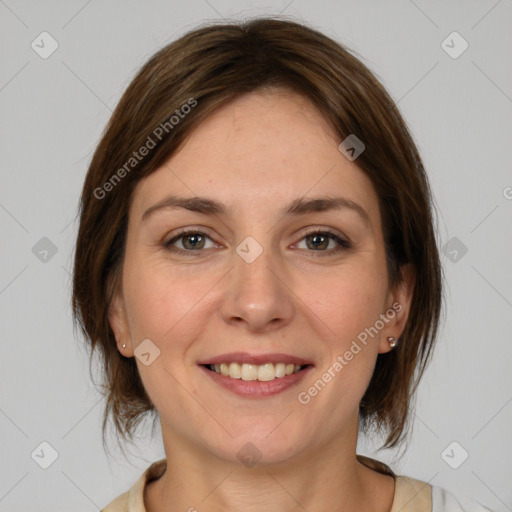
pixel 257 294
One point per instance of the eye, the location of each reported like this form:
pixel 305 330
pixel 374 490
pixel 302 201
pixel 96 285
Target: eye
pixel 188 241
pixel 324 241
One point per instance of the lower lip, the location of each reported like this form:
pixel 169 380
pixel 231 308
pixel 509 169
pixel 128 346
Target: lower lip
pixel 256 388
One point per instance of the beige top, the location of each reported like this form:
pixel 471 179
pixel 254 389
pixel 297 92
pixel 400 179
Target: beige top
pixel 410 495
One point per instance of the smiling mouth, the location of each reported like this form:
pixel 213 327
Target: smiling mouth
pixel 260 372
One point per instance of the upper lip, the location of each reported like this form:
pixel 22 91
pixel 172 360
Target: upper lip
pixel 245 357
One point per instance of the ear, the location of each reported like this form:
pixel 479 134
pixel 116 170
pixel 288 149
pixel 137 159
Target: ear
pixel 398 306
pixel 118 323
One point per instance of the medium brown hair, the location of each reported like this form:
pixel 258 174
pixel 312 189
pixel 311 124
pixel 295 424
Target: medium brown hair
pixel 211 66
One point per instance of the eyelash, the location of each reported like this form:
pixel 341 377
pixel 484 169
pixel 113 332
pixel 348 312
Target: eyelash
pixel 342 244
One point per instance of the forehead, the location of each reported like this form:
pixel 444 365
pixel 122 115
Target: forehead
pixel 265 148
pixel 263 125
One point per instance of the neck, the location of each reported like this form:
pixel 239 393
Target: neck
pixel 328 478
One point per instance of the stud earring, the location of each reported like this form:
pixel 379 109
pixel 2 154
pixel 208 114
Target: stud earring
pixel 392 341
pixel 124 345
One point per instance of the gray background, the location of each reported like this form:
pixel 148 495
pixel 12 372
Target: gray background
pixel 53 111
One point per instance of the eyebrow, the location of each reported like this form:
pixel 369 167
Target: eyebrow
pixel 299 206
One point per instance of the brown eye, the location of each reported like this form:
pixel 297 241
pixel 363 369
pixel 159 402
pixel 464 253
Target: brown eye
pixel 195 241
pixel 318 241
pixel 189 241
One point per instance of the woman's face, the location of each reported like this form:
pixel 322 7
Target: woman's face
pixel 251 280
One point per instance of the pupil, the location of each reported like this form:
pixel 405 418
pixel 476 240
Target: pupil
pixel 196 239
pixel 318 240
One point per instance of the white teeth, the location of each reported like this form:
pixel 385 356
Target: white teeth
pixel 249 372
pixel 235 371
pixel 266 372
pixel 280 370
pixel 263 372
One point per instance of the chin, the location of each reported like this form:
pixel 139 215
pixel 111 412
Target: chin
pixel 262 446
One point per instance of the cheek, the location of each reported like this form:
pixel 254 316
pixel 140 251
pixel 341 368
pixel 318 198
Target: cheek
pixel 351 306
pixel 347 301
pixel 163 304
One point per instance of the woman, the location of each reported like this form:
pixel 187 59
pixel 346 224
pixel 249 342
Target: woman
pixel 256 264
